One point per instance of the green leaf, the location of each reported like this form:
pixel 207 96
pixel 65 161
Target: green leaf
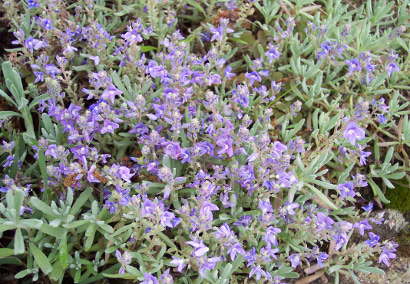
pixel 354 277
pixel 84 196
pixel 76 224
pixel 41 259
pixel 63 252
pixel 43 207
pixel 7 114
pixel 7 97
pixel 52 231
pixel 237 263
pixel 121 276
pixel 226 272
pixel 5 252
pixel 7 227
pixel 31 223
pixel 167 240
pixel 13 78
pixel 134 271
pixel 321 196
pixel 19 242
pixel 57 272
pixel 368 270
pixel 90 233
pixel 238 40
pixel 147 48
pixel 197 6
pixel 377 191
pixel 21 274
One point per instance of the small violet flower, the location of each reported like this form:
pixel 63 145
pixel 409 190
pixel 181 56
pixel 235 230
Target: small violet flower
pixel 385 255
pixel 353 133
pixel 362 225
pixel 373 241
pixel 392 67
pixel 179 263
pixel 354 65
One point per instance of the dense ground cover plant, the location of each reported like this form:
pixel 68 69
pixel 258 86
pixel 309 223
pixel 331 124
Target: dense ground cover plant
pixel 201 141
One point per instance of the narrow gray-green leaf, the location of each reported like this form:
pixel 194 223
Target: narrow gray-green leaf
pixel 41 259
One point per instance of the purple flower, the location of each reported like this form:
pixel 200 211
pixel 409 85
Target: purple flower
pixel 385 255
pixel 52 151
pixel 294 259
pixel 265 207
pixel 111 92
pixel 217 33
pixel 392 67
pixel 346 189
pixel 243 221
pixel 227 72
pixel 368 208
pixel 341 239
pixel 159 110
pixel 71 49
pixel 289 208
pixel 363 156
pixel 167 278
pixel 52 70
pixel 149 279
pixel 250 256
pixel 362 225
pixel 123 259
pixel 322 256
pixel 39 76
pixel 235 249
pixel 205 148
pixel 90 175
pixel 354 65
pixel 109 127
pixel 168 219
pixel 46 23
pixel 33 43
pixel 178 262
pixel 359 180
pixel 209 264
pixel 148 207
pixel 186 156
pixel 32 4
pixel 378 219
pixel 270 235
pixel 391 246
pixel 172 149
pixel 111 206
pixel 225 146
pixel 353 133
pixel 139 128
pixel 323 222
pixel 241 95
pixel 224 198
pixel 382 119
pixel 224 232
pixel 272 53
pixel 374 240
pixel 199 247
pixel 258 271
pixel 205 213
pixel 254 76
